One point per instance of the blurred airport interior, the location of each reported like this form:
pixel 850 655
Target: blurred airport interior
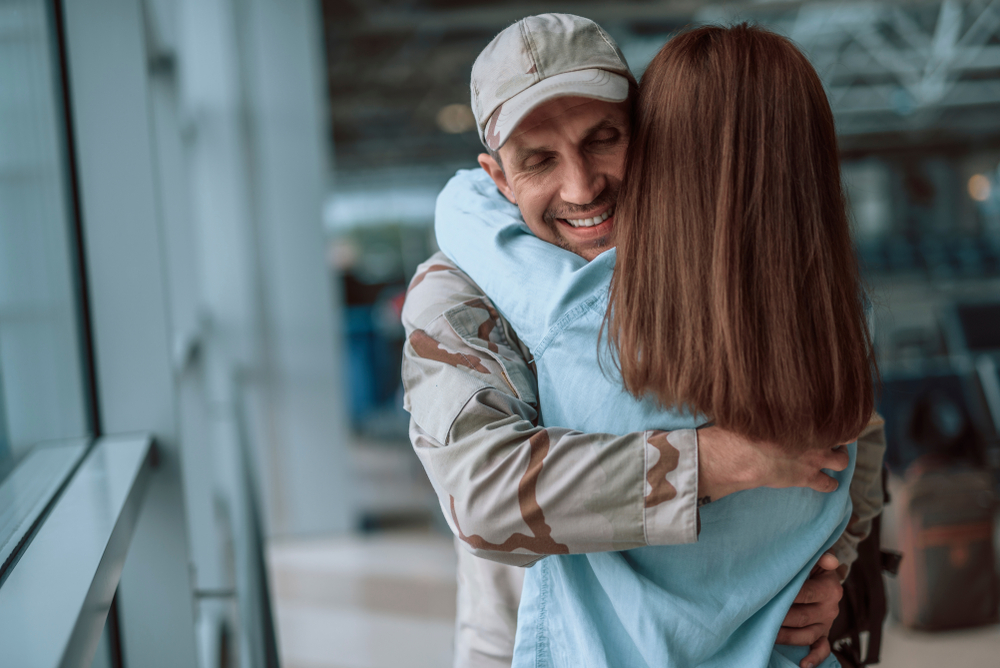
pixel 209 214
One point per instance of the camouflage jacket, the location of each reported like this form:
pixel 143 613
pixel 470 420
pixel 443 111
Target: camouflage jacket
pixel 471 393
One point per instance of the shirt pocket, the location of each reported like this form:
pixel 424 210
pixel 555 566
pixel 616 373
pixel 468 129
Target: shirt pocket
pixel 479 325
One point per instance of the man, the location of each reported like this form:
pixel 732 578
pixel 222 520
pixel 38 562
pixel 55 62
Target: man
pixel 551 96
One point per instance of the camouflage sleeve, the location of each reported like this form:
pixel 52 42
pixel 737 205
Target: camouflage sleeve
pixel 866 493
pixel 510 489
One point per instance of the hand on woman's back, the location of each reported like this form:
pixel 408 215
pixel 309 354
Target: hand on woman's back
pixel 728 462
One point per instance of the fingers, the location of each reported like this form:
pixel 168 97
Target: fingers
pixel 824 587
pixel 809 619
pixel 802 615
pixel 818 652
pixel 821 482
pixel 804 636
pixel 835 459
pixel 828 562
pixel 779 469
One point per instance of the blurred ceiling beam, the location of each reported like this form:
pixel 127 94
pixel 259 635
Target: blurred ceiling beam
pixel 903 67
pixel 383 17
pixel 878 57
pixel 496 17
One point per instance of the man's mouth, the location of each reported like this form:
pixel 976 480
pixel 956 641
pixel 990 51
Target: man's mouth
pixel 589 222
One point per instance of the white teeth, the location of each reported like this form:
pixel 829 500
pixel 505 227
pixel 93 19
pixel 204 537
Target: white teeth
pixel 590 222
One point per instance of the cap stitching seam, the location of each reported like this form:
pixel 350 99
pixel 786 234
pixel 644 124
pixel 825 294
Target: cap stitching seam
pixel 531 48
pixel 607 41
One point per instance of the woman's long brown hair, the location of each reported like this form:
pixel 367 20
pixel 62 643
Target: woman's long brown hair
pixel 736 291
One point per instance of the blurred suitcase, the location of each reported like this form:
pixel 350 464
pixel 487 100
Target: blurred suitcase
pixel 933 410
pixel 948 577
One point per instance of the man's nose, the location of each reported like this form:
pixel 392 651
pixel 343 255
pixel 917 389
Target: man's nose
pixel 583 182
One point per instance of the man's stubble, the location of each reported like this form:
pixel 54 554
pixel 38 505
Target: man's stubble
pixel 551 216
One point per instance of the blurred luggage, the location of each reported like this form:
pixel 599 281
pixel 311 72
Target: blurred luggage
pixel 948 577
pixel 931 410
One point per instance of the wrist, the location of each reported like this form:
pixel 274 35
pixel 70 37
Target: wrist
pixel 719 475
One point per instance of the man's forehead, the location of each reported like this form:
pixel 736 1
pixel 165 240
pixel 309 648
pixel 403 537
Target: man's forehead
pixel 567 109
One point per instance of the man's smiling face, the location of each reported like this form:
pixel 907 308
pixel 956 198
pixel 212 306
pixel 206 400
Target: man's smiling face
pixel 563 167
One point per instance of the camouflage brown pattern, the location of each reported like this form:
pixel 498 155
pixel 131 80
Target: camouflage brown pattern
pixel 659 489
pixel 513 491
pixel 540 542
pixel 425 269
pixel 429 349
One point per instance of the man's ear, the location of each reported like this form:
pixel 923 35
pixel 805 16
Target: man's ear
pixel 493 168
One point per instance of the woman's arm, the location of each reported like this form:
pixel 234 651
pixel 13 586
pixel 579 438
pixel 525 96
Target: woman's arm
pixel 531 282
pixel 472 398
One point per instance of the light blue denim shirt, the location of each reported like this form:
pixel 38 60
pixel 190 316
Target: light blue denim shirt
pixel 718 602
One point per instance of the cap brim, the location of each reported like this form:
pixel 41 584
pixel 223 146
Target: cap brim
pixel 593 83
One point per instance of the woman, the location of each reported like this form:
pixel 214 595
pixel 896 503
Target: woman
pixel 735 296
pixel 732 199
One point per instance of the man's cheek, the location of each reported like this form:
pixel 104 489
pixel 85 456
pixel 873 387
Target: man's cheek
pixel 542 226
pixel 616 165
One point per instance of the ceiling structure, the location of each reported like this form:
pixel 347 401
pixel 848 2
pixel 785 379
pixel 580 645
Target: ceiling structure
pixel 904 67
pixel 898 73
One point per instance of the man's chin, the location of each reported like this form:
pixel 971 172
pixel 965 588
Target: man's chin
pixel 590 252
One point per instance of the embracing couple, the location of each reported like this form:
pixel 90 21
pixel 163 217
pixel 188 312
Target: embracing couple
pixel 641 364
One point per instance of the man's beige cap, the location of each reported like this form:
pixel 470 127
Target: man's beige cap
pixel 540 58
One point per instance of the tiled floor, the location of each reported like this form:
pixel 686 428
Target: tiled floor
pixel 976 648
pixel 388 601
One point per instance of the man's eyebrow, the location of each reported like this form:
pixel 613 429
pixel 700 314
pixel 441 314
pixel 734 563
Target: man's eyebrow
pixel 522 154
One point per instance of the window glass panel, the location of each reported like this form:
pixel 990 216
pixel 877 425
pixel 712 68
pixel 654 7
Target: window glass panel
pixel 42 393
pixel 108 654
